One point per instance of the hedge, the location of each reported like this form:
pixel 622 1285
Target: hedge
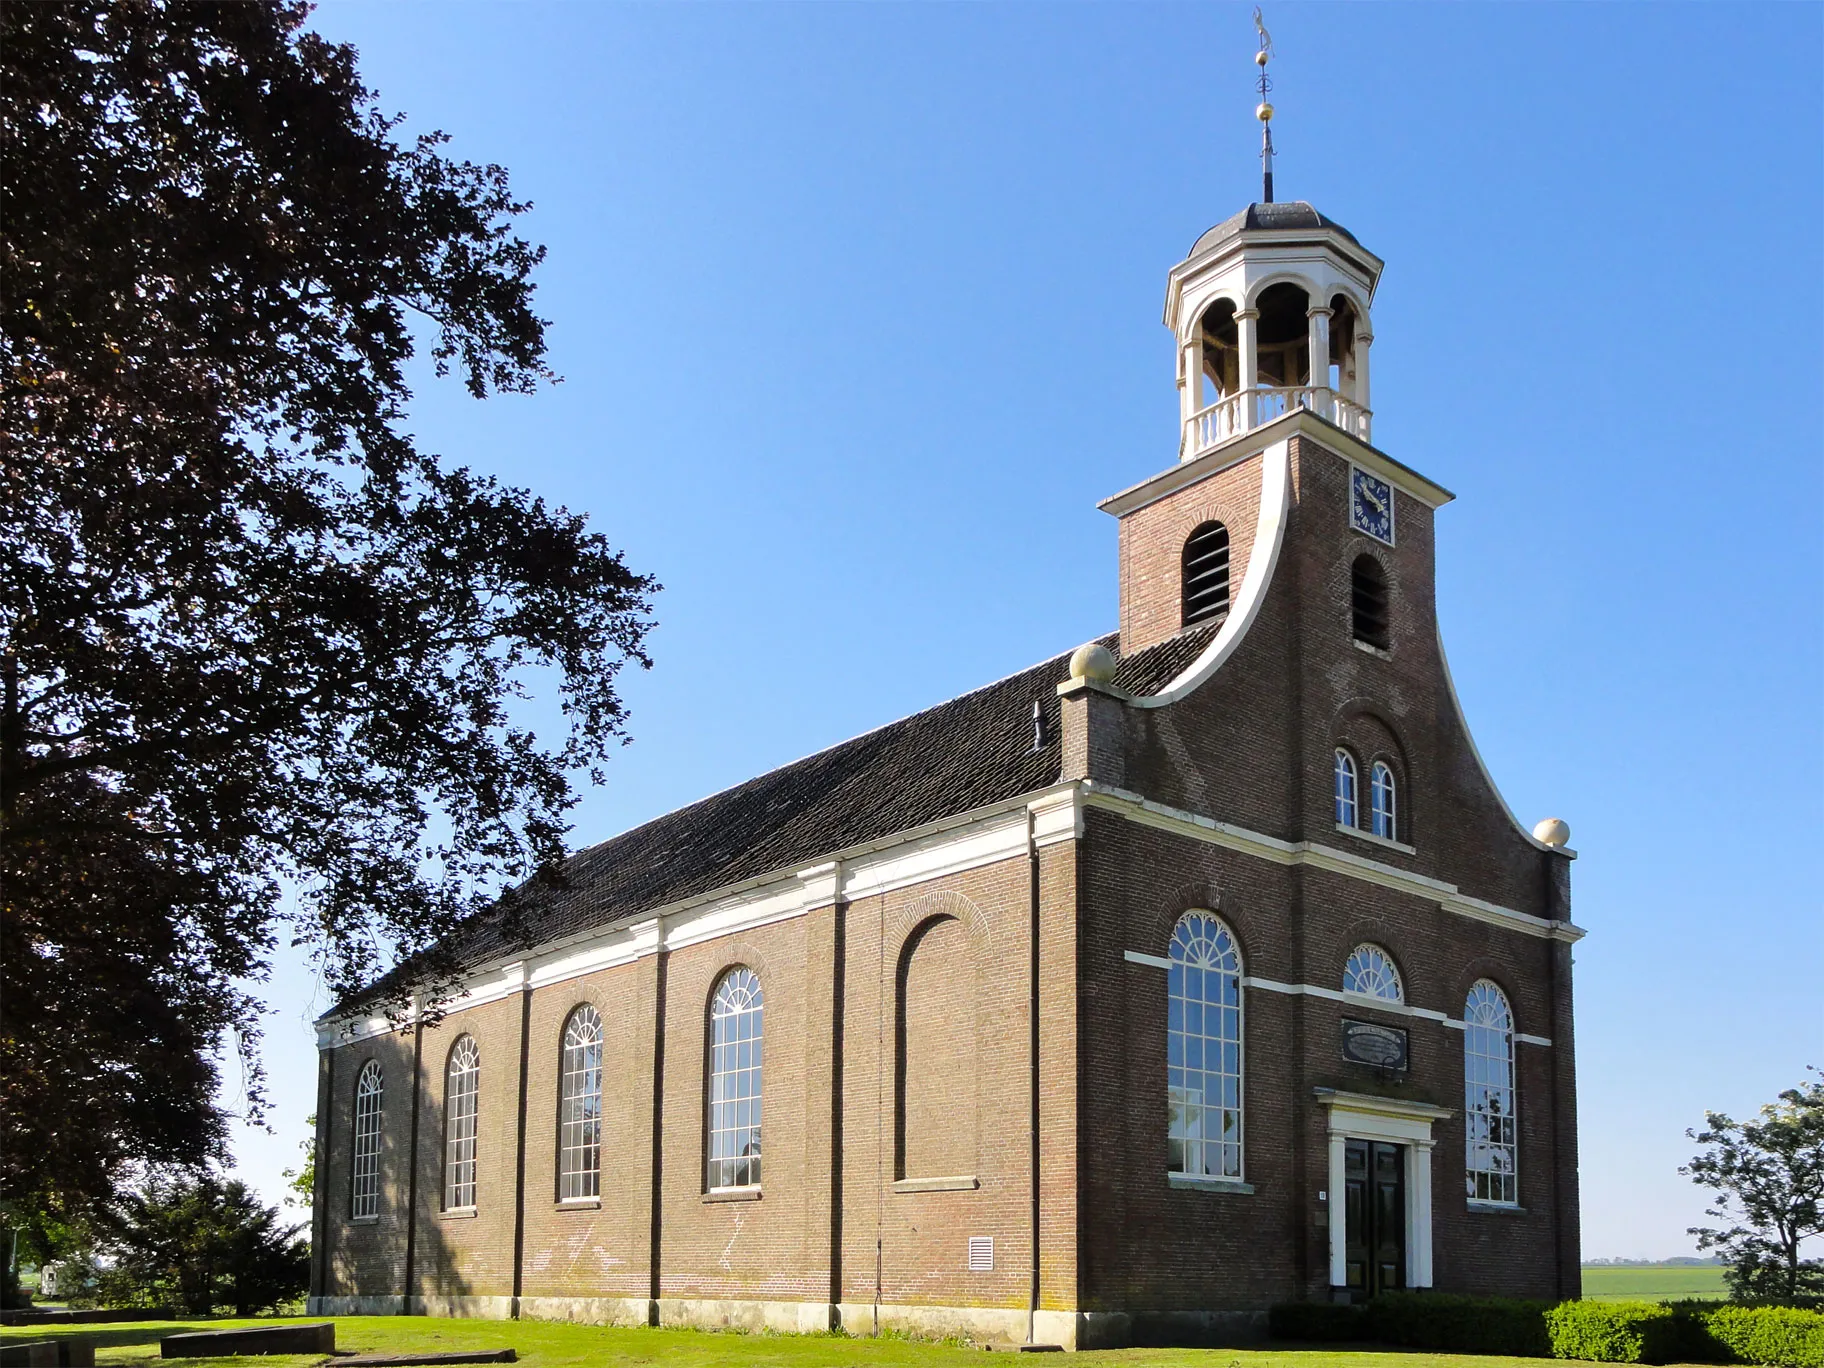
pixel 1606 1332
pixel 1770 1334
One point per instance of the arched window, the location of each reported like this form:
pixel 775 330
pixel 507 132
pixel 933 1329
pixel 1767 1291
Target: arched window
pixel 364 1198
pixel 1203 1049
pixel 1488 1096
pixel 1345 788
pixel 934 1116
pixel 1372 974
pixel 1382 810
pixel 579 1110
pixel 1206 573
pixel 735 1018
pixel 461 1103
pixel 1368 596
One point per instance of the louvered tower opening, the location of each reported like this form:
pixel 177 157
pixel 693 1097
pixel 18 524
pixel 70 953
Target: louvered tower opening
pixel 1206 573
pixel 1369 595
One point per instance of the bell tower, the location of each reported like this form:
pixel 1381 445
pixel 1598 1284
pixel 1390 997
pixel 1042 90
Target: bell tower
pixel 1270 310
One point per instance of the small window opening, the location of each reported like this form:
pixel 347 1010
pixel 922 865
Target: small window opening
pixel 1369 597
pixel 1206 573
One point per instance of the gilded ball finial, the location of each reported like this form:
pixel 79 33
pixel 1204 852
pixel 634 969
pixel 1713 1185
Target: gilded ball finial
pixel 1264 112
pixel 1260 58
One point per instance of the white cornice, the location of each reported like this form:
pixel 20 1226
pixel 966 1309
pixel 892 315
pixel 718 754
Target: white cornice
pixel 988 835
pixel 1245 444
pixel 1448 896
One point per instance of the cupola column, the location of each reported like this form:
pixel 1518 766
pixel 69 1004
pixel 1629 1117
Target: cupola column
pixel 1317 335
pixel 1248 377
pixel 1362 338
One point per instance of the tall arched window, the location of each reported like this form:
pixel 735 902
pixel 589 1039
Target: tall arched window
pixel 1382 810
pixel 364 1185
pixel 1488 1096
pixel 734 1080
pixel 461 1104
pixel 579 1111
pixel 1371 973
pixel 1345 788
pixel 1368 598
pixel 1203 1049
pixel 1206 573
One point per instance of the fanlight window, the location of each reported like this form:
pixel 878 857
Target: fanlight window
pixel 1203 1049
pixel 1206 573
pixel 1383 814
pixel 1368 598
pixel 461 1103
pixel 364 1197
pixel 579 1112
pixel 1345 788
pixel 735 1020
pixel 1488 1100
pixel 1370 973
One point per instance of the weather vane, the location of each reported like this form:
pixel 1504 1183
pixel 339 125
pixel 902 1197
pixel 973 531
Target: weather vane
pixel 1264 111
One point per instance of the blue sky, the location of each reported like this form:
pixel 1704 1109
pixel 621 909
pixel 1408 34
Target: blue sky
pixel 858 312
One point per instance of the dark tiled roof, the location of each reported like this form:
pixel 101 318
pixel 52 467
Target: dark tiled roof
pixel 1275 217
pixel 970 752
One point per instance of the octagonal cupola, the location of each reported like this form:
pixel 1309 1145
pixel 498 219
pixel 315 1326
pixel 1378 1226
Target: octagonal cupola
pixel 1270 311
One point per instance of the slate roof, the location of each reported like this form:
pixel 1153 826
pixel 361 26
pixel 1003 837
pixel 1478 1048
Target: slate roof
pixel 967 753
pixel 1276 217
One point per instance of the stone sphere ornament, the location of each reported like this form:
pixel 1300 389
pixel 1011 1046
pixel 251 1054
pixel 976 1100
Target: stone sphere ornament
pixel 1553 831
pixel 1093 662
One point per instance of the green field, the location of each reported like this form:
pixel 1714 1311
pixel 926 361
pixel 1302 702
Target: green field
pixel 1657 1282
pixel 546 1345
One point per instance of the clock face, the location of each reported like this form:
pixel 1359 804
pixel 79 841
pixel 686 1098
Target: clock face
pixel 1370 505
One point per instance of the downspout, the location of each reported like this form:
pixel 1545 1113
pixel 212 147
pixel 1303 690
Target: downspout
pixel 519 1157
pixel 1032 1012
pixel 411 1171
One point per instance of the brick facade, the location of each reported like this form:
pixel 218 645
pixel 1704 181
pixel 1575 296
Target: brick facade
pixel 978 1049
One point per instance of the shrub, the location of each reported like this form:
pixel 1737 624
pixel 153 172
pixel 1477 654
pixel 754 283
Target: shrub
pixel 1633 1332
pixel 1769 1334
pixel 1445 1323
pixel 1317 1322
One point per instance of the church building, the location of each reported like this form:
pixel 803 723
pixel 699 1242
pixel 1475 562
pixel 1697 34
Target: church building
pixel 1198 969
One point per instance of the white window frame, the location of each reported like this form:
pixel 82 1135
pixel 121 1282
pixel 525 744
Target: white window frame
pixel 579 1111
pixel 1346 789
pixel 1383 802
pixel 364 1172
pixel 1491 1114
pixel 1203 943
pixel 737 1020
pixel 1370 972
pixel 461 1124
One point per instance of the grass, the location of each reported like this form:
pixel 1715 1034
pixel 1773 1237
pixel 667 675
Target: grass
pixel 1654 1282
pixel 543 1344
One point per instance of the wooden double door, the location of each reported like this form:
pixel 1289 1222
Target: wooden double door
pixel 1374 1244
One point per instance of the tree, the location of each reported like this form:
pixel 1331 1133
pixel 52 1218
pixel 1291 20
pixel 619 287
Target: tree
pixel 258 650
pixel 200 1243
pixel 301 1182
pixel 1769 1174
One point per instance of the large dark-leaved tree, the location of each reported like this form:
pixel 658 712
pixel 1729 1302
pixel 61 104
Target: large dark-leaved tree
pixel 259 651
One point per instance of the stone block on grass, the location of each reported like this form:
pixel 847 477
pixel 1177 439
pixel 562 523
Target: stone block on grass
pixel 316 1338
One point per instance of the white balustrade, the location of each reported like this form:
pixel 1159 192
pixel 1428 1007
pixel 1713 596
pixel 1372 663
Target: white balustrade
pixel 1237 413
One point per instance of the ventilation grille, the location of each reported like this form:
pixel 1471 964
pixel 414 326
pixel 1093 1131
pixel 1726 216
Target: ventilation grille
pixel 1206 574
pixel 981 1253
pixel 1369 597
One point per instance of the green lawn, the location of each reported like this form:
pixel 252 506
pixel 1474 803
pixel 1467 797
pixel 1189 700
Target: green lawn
pixel 547 1345
pixel 1654 1283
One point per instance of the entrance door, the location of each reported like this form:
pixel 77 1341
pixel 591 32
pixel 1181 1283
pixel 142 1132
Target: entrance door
pixel 1374 1244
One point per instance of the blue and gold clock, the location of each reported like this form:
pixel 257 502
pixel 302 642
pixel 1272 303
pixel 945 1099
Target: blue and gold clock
pixel 1370 505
